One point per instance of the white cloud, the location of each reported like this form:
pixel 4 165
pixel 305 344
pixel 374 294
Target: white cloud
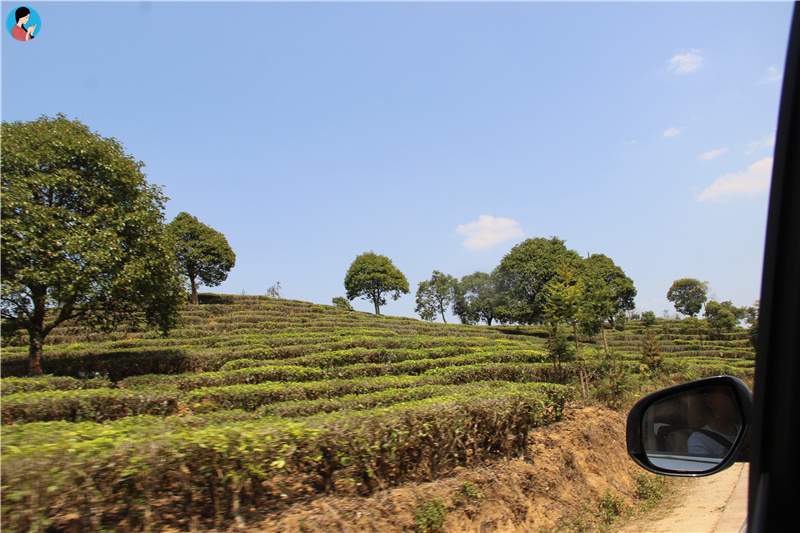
pixel 712 154
pixel 672 132
pixel 685 63
pixel 748 182
pixel 772 74
pixel 760 144
pixel 488 231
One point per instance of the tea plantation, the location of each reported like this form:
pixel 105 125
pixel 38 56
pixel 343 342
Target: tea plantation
pixel 254 403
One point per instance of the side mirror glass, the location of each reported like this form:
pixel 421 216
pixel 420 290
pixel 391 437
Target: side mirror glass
pixel 691 430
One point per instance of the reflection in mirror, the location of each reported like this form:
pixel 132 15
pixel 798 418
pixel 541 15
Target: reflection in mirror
pixel 692 431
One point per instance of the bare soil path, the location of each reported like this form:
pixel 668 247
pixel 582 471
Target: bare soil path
pixel 714 504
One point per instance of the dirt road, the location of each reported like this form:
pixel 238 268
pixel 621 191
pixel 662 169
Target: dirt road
pixel 714 504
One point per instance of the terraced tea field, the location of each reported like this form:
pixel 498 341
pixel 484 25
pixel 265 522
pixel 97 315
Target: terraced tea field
pixel 254 403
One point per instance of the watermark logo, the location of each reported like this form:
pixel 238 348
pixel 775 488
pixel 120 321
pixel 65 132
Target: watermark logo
pixel 23 23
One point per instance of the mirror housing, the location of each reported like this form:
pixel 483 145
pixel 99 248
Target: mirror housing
pixel 694 429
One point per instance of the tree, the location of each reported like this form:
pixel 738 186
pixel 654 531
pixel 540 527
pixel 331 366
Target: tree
pixel 651 352
pixel 523 274
pixel 562 295
pixel 648 318
pixel 342 303
pixel 435 295
pixel 203 253
pixel 723 316
pixel 477 298
pixel 620 288
pixel 751 316
pixel 371 276
pixel 83 234
pixel 688 295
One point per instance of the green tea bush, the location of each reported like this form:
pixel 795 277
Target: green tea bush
pixel 88 404
pixel 13 385
pixel 213 473
pixel 230 377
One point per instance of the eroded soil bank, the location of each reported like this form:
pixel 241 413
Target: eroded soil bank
pixel 576 476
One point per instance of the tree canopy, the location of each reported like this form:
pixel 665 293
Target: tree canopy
pixel 83 234
pixel 372 276
pixel 723 316
pixel 435 295
pixel 524 272
pixel 688 295
pixel 477 297
pixel 203 253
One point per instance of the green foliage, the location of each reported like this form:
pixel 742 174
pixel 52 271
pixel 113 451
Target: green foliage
pixel 619 288
pixel 342 303
pixel 615 382
pixel 203 253
pixel 751 316
pixel 723 316
pixel 12 385
pixel 651 352
pixel 559 348
pixel 371 277
pixel 648 318
pixel 435 295
pixel 688 295
pixel 523 274
pixel 83 234
pixel 650 488
pixel 429 516
pixel 89 404
pixel 477 298
pixel 610 507
pixel 469 491
pixel 181 466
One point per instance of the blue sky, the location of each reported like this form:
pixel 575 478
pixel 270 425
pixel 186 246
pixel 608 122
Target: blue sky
pixel 437 134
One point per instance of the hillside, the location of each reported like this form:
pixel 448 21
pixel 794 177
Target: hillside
pixel 253 404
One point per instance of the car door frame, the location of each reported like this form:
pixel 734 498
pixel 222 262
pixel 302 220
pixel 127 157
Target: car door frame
pixel 776 412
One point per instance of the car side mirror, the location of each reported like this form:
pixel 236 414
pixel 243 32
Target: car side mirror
pixel 694 429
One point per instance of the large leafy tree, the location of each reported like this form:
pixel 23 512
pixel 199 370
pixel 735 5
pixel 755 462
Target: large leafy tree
pixel 372 276
pixel 203 253
pixel 723 316
pixel 524 272
pixel 435 295
pixel 477 297
pixel 83 234
pixel 619 288
pixel 688 295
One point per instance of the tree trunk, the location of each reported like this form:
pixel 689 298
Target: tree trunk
pixel 489 321
pixel 377 306
pixel 195 300
pixel 575 334
pixel 35 349
pixel 443 318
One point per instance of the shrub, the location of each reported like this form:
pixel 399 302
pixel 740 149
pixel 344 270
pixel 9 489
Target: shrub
pixel 648 318
pixel 429 516
pixel 559 348
pixel 155 478
pixel 610 507
pixel 340 302
pixel 89 404
pixel 651 352
pixel 230 377
pixel 649 488
pixel 13 385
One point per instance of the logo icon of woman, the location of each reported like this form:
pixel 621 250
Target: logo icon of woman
pixel 23 23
